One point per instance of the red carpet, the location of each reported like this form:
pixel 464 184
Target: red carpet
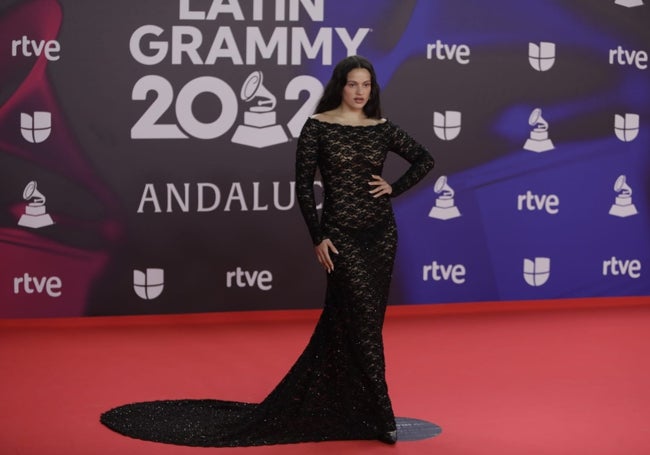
pixel 567 377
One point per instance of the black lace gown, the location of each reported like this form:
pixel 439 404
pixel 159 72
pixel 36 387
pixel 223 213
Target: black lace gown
pixel 336 390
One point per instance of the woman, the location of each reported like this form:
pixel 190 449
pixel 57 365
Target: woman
pixel 356 237
pixel 336 390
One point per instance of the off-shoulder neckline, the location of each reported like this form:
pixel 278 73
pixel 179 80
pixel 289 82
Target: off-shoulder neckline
pixel 383 121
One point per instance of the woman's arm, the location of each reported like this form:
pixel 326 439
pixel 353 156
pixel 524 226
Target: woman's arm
pixel 306 164
pixel 409 149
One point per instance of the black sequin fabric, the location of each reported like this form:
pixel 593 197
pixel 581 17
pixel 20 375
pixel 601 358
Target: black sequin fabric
pixel 337 389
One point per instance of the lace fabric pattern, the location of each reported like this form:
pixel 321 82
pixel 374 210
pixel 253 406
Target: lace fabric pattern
pixel 336 390
pixel 347 157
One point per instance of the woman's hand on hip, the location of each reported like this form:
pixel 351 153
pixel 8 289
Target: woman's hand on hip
pixel 323 254
pixel 381 186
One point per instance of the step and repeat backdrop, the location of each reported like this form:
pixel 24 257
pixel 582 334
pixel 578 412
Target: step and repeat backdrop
pixel 147 149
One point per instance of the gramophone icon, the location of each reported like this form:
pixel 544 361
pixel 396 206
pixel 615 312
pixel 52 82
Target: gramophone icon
pixel 445 209
pixel 259 128
pixel 35 215
pixel 538 140
pixel 623 206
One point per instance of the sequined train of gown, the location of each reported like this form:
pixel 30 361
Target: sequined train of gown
pixel 336 390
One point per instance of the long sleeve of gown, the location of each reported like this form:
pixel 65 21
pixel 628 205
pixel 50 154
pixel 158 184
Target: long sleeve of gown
pixel 306 164
pixel 420 159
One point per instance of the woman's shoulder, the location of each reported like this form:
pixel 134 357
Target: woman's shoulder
pixel 329 118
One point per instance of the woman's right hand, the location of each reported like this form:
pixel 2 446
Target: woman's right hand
pixel 323 254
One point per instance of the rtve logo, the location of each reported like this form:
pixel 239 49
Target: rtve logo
pixel 441 272
pixel 31 284
pixel 441 51
pixel 148 284
pixel 36 128
pixel 623 57
pixel 541 56
pixel 547 202
pixel 31 48
pixel 263 280
pixel 618 267
pixel 447 125
pixel 537 271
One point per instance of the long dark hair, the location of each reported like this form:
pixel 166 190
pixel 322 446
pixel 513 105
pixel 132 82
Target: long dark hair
pixel 332 95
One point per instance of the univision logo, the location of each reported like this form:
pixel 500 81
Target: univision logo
pixel 36 128
pixel 537 271
pixel 626 126
pixel 541 56
pixel 148 284
pixel 447 125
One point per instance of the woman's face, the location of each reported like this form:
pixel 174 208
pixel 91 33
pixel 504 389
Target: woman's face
pixel 357 89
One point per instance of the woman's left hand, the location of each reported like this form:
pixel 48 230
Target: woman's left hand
pixel 381 186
